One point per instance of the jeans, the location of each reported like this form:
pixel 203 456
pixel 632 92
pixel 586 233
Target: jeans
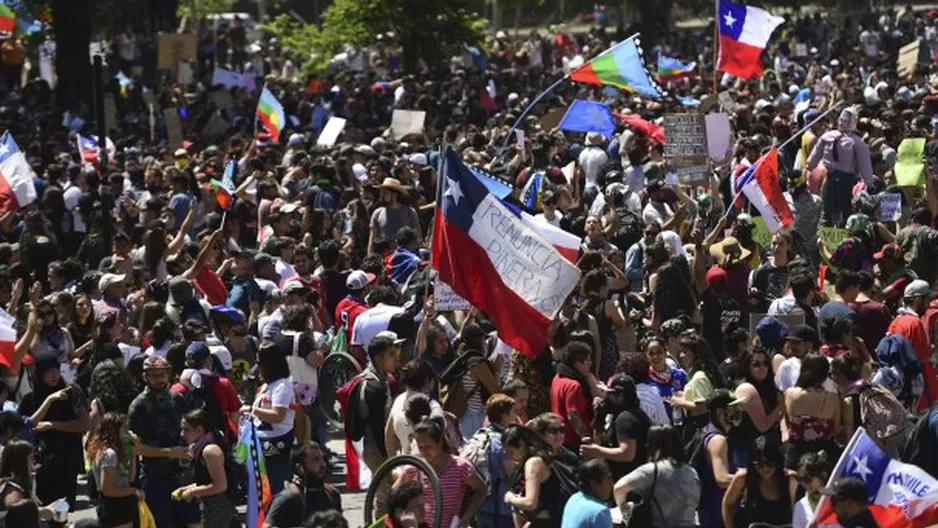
pixel 277 460
pixel 374 459
pixel 471 422
pixel 167 512
pixel 837 195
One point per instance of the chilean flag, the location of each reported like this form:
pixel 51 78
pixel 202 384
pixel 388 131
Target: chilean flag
pixel 494 260
pixel 744 33
pixel 760 184
pixel 16 177
pixel 88 147
pixel 900 495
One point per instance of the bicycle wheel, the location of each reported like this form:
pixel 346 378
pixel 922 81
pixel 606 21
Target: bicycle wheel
pixel 385 470
pixel 340 367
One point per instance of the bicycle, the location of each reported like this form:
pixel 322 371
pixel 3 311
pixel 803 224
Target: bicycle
pixel 385 470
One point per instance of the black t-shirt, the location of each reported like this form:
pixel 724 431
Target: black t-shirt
pixel 304 344
pixel 333 284
pixel 287 509
pixel 632 424
pixel 56 448
pixel 771 281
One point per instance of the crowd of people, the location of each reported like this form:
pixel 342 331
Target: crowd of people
pixel 695 377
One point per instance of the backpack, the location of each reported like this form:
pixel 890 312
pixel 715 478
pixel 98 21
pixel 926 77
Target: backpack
pixel 631 229
pixel 921 446
pixel 478 450
pixel 565 467
pixel 452 394
pixel 881 414
pixel 203 398
pixel 354 413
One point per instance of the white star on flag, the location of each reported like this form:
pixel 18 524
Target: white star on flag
pixel 4 149
pixel 728 19
pixel 860 467
pixel 453 190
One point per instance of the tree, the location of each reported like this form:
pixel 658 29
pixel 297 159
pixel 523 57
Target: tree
pixel 195 10
pixel 432 31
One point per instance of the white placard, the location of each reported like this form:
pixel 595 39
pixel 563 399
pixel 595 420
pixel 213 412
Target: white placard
pixel 519 134
pixel 330 132
pixel 890 207
pixel 569 171
pixel 405 122
pixel 185 75
pixel 719 140
pixel 446 300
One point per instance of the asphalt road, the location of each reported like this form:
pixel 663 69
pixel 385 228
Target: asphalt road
pixel 352 503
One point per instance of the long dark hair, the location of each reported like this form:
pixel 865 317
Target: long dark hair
pixel 664 443
pixel 518 436
pixel 703 359
pixel 764 451
pixel 14 464
pixel 766 388
pixel 154 242
pixel 272 363
pixel 673 295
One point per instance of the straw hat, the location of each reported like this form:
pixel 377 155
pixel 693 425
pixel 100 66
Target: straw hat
pixel 393 184
pixel 729 250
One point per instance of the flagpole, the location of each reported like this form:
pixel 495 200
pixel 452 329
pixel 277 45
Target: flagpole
pixel 716 46
pixel 739 192
pixel 839 467
pixel 549 89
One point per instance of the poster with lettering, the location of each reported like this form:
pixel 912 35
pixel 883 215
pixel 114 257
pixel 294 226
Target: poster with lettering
pixel 685 146
pixel 832 237
pixel 172 48
pixel 890 207
pixel 406 122
pixel 446 300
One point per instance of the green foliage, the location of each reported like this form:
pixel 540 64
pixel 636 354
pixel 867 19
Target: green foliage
pixel 433 31
pixel 197 9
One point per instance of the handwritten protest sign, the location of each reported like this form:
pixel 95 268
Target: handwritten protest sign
pixel 832 237
pixel 760 232
pixel 406 122
pixel 552 119
pixel 330 133
pixel 890 207
pixel 910 164
pixel 685 146
pixel 172 48
pixel 446 300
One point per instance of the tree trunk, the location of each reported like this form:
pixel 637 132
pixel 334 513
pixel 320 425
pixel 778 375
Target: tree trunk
pixel 72 23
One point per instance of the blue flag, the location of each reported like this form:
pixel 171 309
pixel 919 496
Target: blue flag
pixel 587 116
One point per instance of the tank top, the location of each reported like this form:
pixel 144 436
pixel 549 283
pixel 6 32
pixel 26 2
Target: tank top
pixel 201 474
pixel 757 509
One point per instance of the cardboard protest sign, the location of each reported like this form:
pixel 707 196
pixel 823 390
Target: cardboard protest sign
pixel 552 119
pixel 719 137
pixel 406 122
pixel 330 133
pixel 890 206
pixel 446 300
pixel 910 56
pixel 173 127
pixel 685 146
pixel 172 48
pixel 910 163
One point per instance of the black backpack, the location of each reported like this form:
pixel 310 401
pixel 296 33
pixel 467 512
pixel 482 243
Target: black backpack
pixel 631 229
pixel 920 447
pixel 203 398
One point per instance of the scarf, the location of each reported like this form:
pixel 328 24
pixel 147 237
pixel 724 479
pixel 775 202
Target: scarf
pixel 195 450
pixel 566 371
pixel 661 378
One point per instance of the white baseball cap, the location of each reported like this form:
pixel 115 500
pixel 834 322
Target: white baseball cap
pixel 358 279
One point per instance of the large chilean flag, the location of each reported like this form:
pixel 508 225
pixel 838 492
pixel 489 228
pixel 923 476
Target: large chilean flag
pixel 496 261
pixel 744 33
pixel 16 177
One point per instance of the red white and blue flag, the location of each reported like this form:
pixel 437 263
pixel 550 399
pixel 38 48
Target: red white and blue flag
pixel 16 176
pixel 900 495
pixel 496 261
pixel 89 148
pixel 760 184
pixel 744 33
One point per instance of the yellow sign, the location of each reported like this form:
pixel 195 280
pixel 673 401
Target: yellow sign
pixel 832 237
pixel 761 233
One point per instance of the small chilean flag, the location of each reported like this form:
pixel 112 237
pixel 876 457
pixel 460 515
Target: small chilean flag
pixel 744 33
pixel 16 177
pixel 89 147
pixel 760 184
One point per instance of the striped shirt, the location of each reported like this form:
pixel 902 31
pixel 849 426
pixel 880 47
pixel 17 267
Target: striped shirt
pixel 454 482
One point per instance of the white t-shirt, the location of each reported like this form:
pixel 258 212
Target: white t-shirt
pixel 284 270
pixel 655 215
pixel 277 394
pixel 555 222
pixel 803 514
pixel 591 160
pixel 869 40
pixel 403 429
pixel 372 321
pixel 787 376
pixel 71 196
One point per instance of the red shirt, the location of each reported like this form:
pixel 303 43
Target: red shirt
pixel 212 287
pixel 566 397
pixel 352 307
pixel 911 327
pixel 224 391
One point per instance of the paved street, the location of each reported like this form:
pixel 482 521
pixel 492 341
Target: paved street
pixel 352 503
